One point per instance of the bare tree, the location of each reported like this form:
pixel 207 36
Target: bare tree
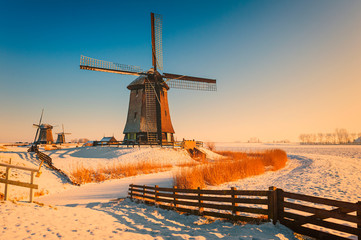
pixel 320 137
pixel 211 146
pixel 302 137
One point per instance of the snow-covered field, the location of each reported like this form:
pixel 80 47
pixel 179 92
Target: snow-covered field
pixel 90 211
pixel 325 171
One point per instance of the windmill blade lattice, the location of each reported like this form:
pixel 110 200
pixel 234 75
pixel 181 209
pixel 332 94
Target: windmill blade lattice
pixel 188 82
pixel 190 85
pixel 157 40
pixel 89 63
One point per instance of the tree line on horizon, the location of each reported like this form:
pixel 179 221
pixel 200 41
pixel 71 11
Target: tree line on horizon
pixel 340 136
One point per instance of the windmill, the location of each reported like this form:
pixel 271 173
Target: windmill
pixel 43 134
pixel 148 120
pixel 61 136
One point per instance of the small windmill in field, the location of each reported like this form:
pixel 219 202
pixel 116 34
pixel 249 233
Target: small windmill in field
pixel 61 136
pixel 148 120
pixel 44 134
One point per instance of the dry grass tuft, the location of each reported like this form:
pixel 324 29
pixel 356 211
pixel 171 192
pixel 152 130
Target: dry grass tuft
pixel 238 165
pixel 40 193
pixel 82 175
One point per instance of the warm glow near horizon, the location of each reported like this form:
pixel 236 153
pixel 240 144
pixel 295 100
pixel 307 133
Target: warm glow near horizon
pixel 282 68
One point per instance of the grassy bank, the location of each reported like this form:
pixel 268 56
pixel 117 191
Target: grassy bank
pixel 236 165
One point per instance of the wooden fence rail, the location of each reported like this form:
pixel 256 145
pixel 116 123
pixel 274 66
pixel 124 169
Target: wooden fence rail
pixel 7 181
pixel 312 216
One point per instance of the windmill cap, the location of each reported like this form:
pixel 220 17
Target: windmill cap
pixel 139 82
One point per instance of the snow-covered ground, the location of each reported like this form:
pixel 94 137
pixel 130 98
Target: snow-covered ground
pixel 88 212
pixel 319 170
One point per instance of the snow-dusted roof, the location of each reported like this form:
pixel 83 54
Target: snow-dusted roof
pixel 108 139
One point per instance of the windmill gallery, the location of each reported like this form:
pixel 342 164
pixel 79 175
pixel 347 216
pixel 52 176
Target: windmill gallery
pixel 149 120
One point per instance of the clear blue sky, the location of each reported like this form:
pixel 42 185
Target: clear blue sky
pixel 283 67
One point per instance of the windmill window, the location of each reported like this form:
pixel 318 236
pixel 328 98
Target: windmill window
pixel 165 113
pixel 136 93
pixel 135 115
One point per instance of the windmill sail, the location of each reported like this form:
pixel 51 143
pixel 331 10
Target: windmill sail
pixel 89 63
pixel 188 82
pixel 157 42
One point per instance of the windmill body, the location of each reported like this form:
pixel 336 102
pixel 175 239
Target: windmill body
pixel 60 139
pixel 144 115
pixel 45 134
pixel 148 120
pixel 61 136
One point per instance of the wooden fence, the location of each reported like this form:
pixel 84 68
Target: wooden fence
pixel 312 216
pixel 7 181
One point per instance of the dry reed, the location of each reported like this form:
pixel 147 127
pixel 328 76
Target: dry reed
pixel 82 174
pixel 237 165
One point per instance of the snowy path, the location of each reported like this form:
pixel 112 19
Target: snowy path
pixel 105 191
pixel 331 172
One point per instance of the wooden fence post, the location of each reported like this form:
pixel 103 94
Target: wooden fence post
pixel 175 196
pixel 143 193
pixel 156 193
pixel 31 189
pixel 359 216
pixel 280 204
pixel 272 205
pixel 6 197
pixel 234 204
pixel 131 191
pixel 200 202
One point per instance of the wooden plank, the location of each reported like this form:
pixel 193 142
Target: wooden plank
pixel 229 216
pixel 301 220
pixel 141 186
pixel 142 191
pixel 187 210
pixel 213 192
pixel 322 213
pixel 18 183
pixel 311 232
pixel 165 200
pixel 325 201
pixel 215 206
pixel 217 199
pixel 18 167
pixel 141 196
pixel 251 193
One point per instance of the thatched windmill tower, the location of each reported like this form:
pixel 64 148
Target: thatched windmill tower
pixel 61 136
pixel 148 120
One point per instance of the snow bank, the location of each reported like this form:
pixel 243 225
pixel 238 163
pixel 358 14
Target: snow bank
pixel 93 157
pixel 122 220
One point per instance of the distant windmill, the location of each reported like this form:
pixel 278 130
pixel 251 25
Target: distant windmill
pixel 61 136
pixel 148 118
pixel 45 132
